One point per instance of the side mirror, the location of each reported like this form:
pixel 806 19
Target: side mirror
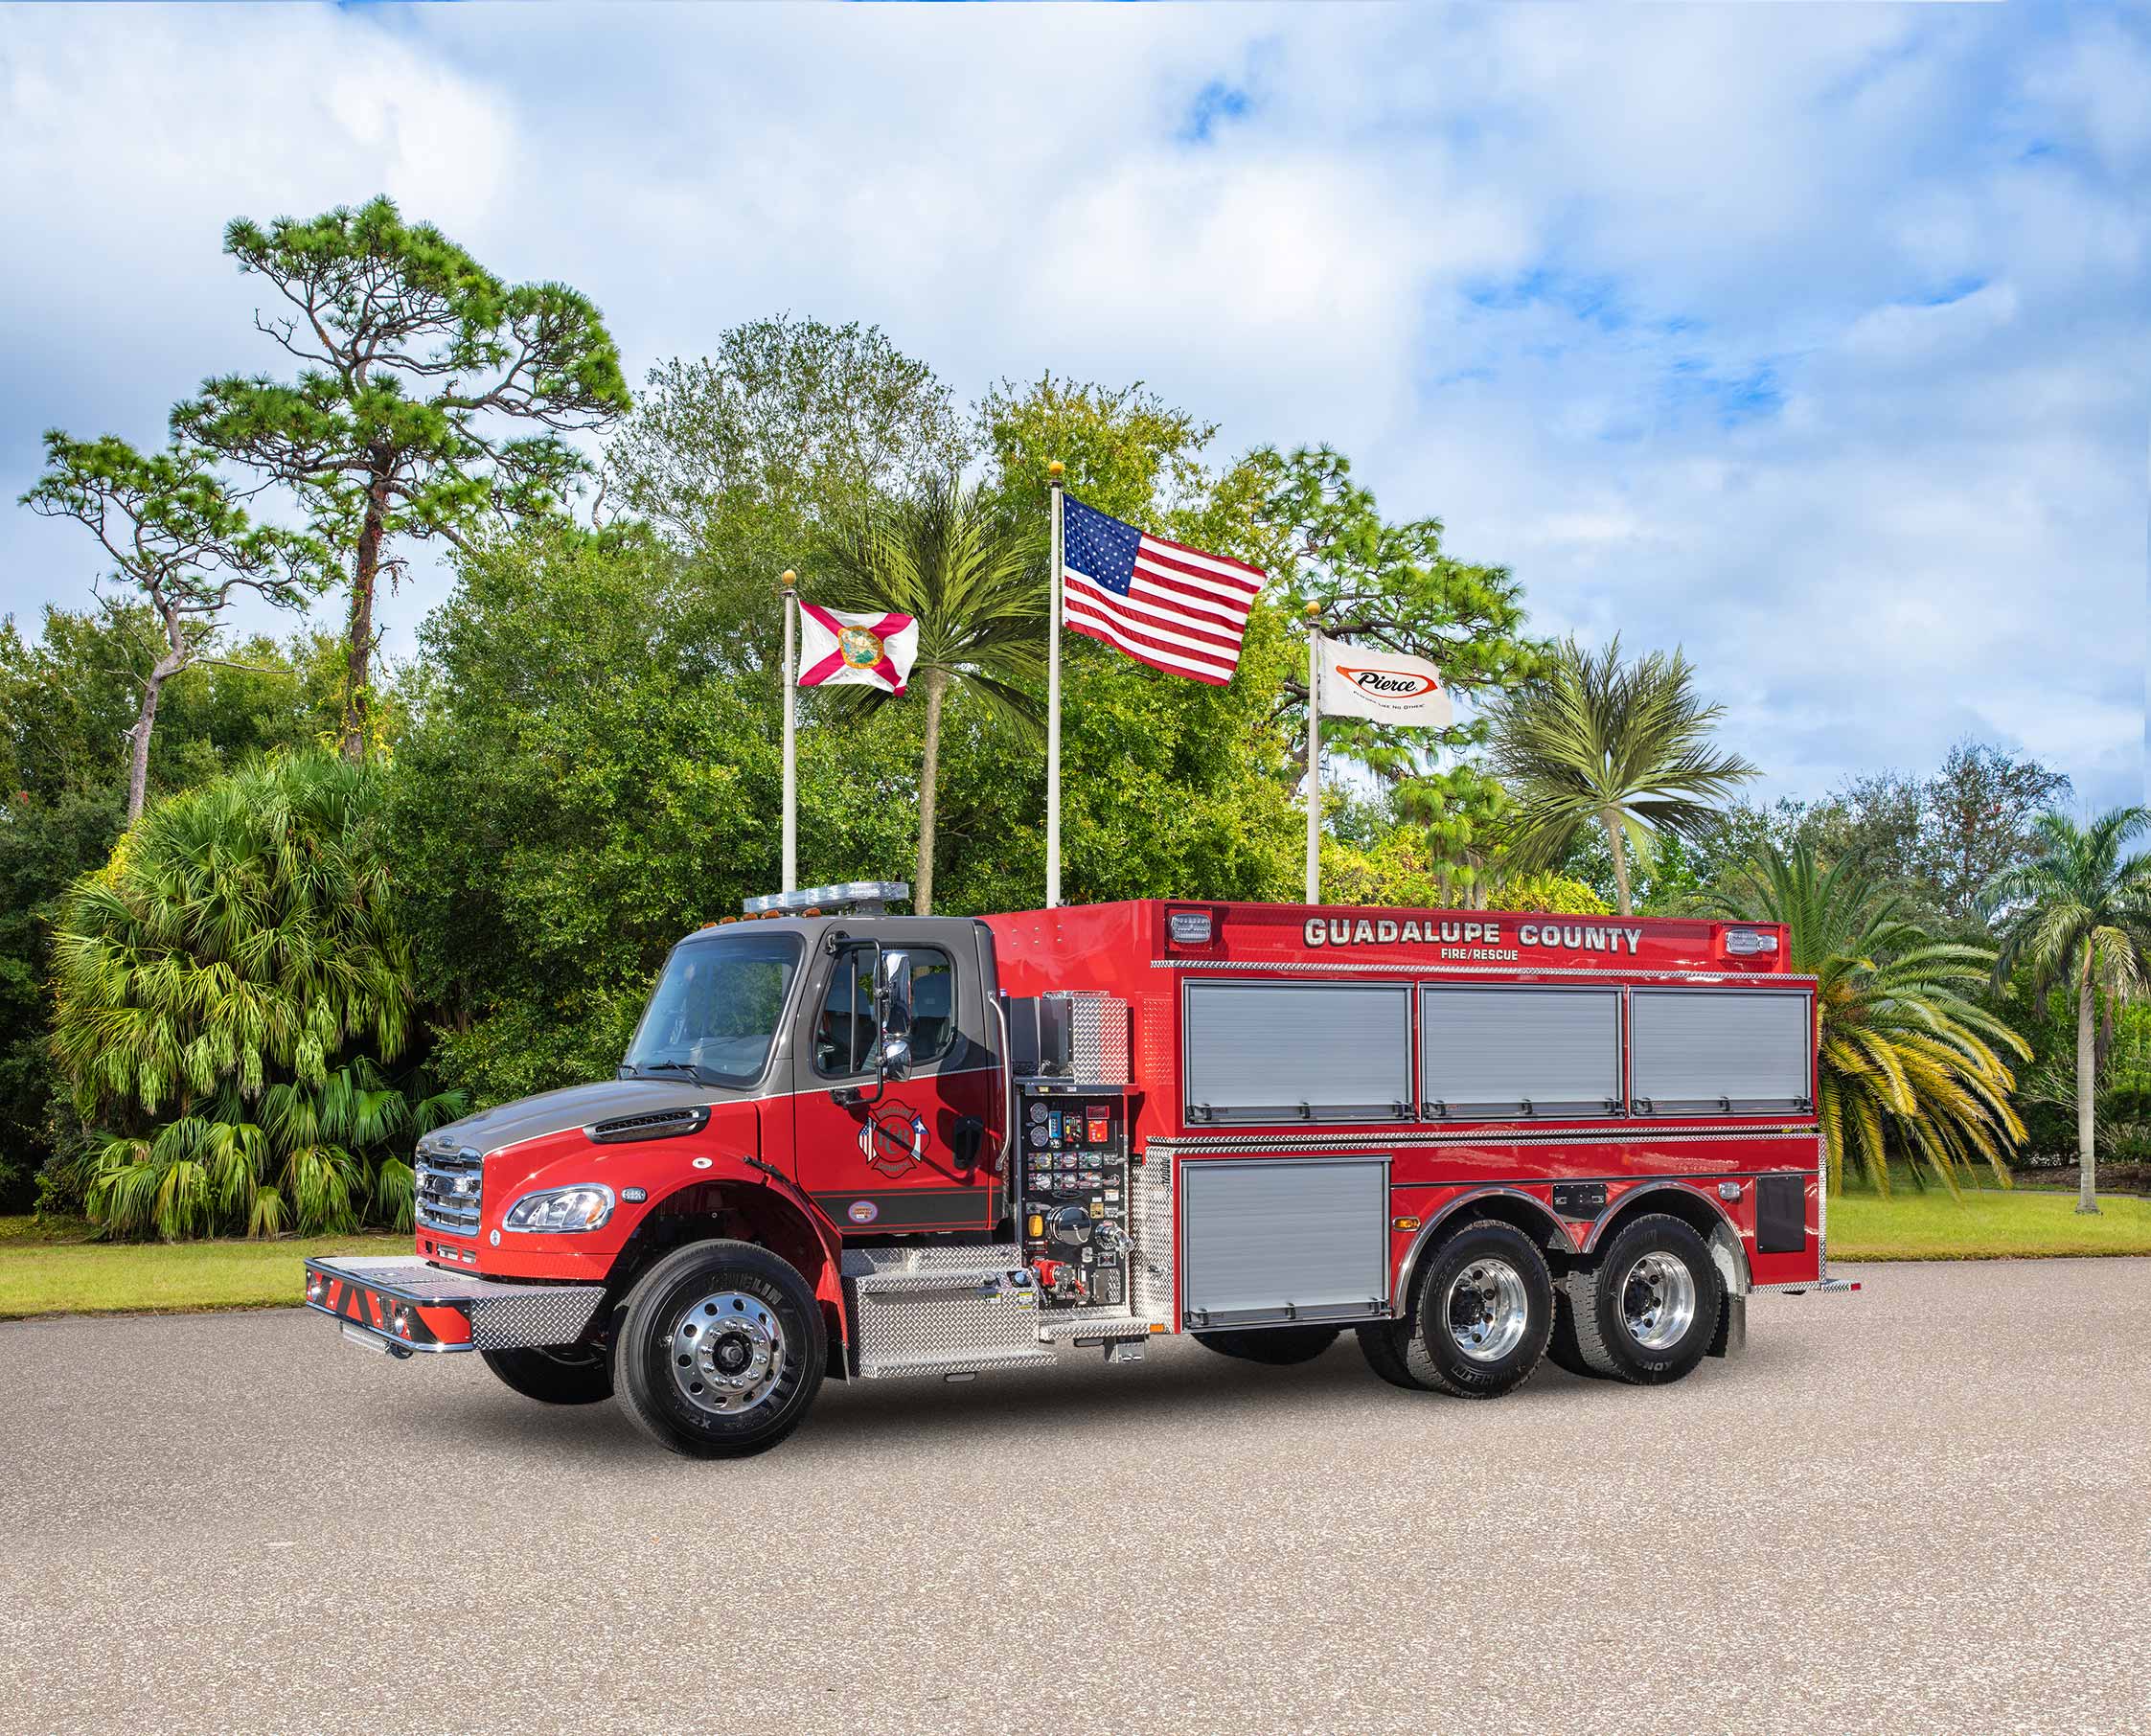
pixel 894 1062
pixel 892 996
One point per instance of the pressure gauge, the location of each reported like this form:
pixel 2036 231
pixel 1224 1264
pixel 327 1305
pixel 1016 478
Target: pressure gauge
pixel 1038 1112
pixel 1038 1138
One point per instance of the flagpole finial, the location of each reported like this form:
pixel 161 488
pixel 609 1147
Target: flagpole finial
pixel 1055 469
pixel 790 579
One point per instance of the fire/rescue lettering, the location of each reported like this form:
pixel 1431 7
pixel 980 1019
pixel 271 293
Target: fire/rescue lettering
pixel 1580 938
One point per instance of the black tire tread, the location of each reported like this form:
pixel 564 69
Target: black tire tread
pixel 1378 1341
pixel 648 1416
pixel 1424 1368
pixel 1584 1302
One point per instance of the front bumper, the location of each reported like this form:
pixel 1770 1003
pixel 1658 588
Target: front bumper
pixel 406 1306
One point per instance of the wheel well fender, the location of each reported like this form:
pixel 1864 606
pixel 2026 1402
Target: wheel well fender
pixel 1507 1204
pixel 1697 1209
pixel 744 1208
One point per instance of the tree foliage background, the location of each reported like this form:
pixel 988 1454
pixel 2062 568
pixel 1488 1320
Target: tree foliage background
pixel 581 763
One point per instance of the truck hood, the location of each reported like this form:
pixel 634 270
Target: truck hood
pixel 576 1107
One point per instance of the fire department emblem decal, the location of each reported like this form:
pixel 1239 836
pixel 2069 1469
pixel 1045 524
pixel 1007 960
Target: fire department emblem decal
pixel 893 1139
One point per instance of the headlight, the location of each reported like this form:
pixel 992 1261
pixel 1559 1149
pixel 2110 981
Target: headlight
pixel 560 1209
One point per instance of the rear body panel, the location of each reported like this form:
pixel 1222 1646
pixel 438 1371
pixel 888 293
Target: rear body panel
pixel 1439 1162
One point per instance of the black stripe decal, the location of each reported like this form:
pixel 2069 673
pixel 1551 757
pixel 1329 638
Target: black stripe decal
pixel 912 1208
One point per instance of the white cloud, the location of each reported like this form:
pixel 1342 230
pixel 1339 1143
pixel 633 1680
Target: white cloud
pixel 1812 340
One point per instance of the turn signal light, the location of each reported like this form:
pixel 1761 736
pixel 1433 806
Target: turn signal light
pixel 1405 1224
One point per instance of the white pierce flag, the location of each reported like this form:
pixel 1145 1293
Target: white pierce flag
pixel 1385 686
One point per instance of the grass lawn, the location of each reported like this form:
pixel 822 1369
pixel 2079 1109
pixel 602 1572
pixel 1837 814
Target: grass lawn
pixel 1988 1223
pixel 50 1269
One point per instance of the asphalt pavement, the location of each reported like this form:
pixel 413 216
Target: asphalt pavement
pixel 1923 1508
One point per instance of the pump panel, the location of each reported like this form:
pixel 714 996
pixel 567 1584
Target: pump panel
pixel 1073 1194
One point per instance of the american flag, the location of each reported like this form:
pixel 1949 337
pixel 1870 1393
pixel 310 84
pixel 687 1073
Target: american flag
pixel 1163 604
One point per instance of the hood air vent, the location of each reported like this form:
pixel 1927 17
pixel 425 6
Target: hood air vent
pixel 659 1124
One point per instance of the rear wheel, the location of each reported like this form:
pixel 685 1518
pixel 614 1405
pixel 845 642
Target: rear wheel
pixel 721 1350
pixel 561 1376
pixel 1279 1346
pixel 1479 1317
pixel 1647 1313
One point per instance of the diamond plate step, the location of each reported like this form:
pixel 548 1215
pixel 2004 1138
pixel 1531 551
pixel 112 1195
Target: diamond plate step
pixel 954 1277
pixel 1112 1326
pixel 982 1364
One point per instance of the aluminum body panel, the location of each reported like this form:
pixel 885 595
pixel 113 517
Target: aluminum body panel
pixel 1276 1052
pixel 1494 1050
pixel 1284 1238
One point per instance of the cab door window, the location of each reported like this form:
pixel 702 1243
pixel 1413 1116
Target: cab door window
pixel 844 1028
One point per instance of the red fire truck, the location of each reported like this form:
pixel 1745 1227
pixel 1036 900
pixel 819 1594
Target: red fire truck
pixel 855 1144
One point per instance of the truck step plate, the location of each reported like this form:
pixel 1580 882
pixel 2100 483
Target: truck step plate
pixel 409 1304
pixel 947 1365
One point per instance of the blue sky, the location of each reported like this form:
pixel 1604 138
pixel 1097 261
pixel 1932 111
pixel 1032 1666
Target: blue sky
pixel 1813 340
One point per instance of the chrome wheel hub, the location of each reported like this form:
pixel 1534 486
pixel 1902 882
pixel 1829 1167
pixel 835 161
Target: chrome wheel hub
pixel 1488 1309
pixel 727 1353
pixel 1657 1301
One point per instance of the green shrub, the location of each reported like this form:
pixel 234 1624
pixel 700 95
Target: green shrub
pixel 229 991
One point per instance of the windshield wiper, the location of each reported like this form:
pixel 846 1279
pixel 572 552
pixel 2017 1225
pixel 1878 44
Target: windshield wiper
pixel 687 1067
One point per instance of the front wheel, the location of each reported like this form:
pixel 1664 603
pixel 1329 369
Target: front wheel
pixel 553 1376
pixel 721 1350
pixel 1647 1312
pixel 1279 1346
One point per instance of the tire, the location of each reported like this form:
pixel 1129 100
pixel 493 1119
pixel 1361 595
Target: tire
pixel 1647 1312
pixel 1562 1348
pixel 565 1376
pixel 1381 1342
pixel 721 1350
pixel 1481 1313
pixel 1279 1346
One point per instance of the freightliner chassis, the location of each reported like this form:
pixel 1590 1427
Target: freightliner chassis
pixel 858 1145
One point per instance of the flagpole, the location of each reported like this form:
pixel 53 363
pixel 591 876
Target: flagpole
pixel 791 582
pixel 1053 705
pixel 1314 755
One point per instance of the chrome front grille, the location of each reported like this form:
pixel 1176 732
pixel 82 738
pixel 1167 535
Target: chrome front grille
pixel 451 1184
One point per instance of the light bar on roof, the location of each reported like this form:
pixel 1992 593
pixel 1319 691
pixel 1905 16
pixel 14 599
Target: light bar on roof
pixel 864 898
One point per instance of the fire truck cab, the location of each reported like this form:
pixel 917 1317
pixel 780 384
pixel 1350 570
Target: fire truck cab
pixel 846 1143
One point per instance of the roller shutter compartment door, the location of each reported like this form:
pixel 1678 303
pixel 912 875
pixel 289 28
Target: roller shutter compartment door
pixel 1731 1050
pixel 1519 1051
pixel 1282 1052
pixel 1284 1239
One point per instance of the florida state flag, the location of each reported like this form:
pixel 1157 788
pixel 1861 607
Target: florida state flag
pixel 837 648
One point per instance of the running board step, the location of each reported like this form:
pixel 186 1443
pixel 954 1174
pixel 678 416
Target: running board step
pixel 982 1278
pixel 948 1365
pixel 1113 1326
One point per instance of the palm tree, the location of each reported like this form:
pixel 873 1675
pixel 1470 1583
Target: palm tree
pixel 1905 1053
pixel 225 992
pixel 980 595
pixel 1624 748
pixel 2079 914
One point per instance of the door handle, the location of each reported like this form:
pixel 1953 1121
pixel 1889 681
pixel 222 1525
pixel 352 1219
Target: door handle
pixel 969 1134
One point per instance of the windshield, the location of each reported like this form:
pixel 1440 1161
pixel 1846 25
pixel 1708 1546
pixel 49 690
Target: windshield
pixel 715 1010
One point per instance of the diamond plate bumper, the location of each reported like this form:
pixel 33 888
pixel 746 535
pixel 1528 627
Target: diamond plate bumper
pixel 406 1305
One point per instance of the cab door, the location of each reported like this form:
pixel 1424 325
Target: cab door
pixel 920 1154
